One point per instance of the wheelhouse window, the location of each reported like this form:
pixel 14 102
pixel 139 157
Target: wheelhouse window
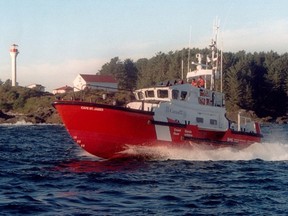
pixel 162 93
pixel 149 93
pixel 183 95
pixel 175 94
pixel 140 95
pixel 199 120
pixel 213 122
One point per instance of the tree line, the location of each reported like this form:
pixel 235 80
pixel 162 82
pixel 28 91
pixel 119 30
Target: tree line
pixel 253 81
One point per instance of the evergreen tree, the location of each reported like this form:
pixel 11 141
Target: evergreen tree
pixel 112 68
pixel 276 77
pixel 130 75
pixel 233 88
pixel 142 68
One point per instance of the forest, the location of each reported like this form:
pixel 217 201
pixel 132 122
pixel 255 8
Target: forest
pixel 252 81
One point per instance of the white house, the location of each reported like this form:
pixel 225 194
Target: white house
pixel 37 87
pixel 93 81
pixel 62 90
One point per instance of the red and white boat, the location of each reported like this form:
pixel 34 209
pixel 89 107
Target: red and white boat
pixel 179 115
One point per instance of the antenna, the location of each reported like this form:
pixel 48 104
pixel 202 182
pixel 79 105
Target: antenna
pixel 221 69
pixel 188 65
pixel 215 53
pixel 182 69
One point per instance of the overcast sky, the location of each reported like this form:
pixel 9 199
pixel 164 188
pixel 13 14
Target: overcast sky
pixel 59 39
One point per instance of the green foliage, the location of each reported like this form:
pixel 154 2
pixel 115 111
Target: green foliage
pixel 21 99
pixel 233 88
pixel 112 68
pixel 124 72
pixel 33 104
pixel 130 75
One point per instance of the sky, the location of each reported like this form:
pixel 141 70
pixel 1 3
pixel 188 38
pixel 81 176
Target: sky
pixel 59 39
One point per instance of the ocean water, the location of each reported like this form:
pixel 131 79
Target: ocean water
pixel 42 172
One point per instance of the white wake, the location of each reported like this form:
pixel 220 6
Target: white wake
pixel 263 151
pixel 274 147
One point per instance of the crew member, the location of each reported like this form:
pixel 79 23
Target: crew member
pixel 201 82
pixel 194 83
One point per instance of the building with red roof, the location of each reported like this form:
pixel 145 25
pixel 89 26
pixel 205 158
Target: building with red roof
pixel 95 81
pixel 63 89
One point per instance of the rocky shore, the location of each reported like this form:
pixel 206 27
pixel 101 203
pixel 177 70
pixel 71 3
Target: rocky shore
pixel 43 116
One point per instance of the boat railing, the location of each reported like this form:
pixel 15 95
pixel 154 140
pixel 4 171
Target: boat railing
pixel 100 87
pixel 98 94
pixel 149 106
pixel 211 98
pixel 244 124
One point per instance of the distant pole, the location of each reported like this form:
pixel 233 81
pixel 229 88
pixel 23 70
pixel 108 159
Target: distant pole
pixel 182 69
pixel 221 71
pixel 13 53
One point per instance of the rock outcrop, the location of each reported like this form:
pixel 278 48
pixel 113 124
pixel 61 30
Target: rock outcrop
pixel 46 115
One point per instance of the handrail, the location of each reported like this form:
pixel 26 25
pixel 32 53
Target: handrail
pixel 80 93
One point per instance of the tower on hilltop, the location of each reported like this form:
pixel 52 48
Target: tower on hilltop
pixel 13 53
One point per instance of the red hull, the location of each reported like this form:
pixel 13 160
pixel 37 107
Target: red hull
pixel 105 131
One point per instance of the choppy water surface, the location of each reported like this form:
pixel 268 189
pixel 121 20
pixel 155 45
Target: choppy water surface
pixel 42 172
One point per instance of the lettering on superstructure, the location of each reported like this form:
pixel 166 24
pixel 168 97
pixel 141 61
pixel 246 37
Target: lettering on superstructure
pixel 176 112
pixel 176 131
pixel 188 133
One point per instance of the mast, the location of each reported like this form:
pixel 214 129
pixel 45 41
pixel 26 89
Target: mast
pixel 188 65
pixel 182 69
pixel 221 70
pixel 215 53
pixel 212 69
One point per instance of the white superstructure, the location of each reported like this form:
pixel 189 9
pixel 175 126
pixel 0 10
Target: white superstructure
pixel 184 103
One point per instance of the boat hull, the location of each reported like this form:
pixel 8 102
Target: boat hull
pixel 106 131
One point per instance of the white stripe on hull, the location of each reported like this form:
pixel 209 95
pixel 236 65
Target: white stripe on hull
pixel 162 132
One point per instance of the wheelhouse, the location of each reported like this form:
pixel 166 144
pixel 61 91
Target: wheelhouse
pixel 184 92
